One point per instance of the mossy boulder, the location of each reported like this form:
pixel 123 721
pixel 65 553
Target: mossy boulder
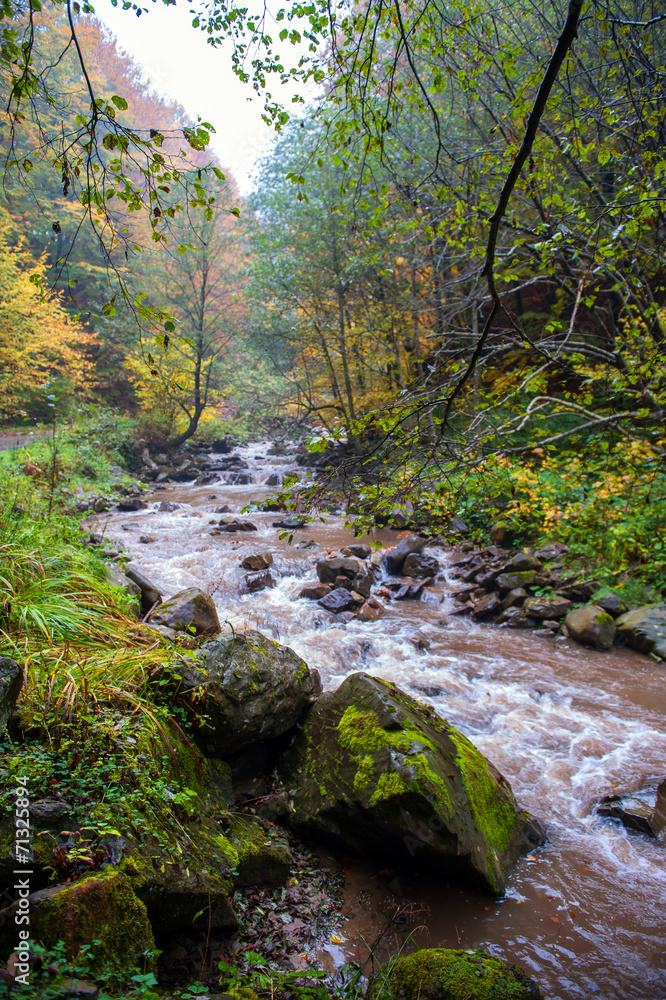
pixel 102 907
pixel 447 974
pixel 645 629
pixel 245 689
pixel 514 580
pixel 591 625
pixel 191 611
pixel 11 678
pixel 263 855
pixel 374 772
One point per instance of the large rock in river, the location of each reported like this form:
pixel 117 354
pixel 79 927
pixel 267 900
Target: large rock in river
pixel 190 610
pixel 591 625
pixel 246 689
pixel 645 628
pixel 448 974
pixel 374 772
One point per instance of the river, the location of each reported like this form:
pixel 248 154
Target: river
pixel 585 915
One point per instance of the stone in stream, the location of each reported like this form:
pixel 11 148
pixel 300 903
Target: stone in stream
pixel 190 611
pixel 258 561
pixel 643 811
pixel 371 611
pixel 514 599
pixel 313 591
pixel 645 629
pixel 147 539
pixel 487 606
pixel 131 503
pixel 359 550
pixel 290 523
pixel 259 581
pixel 236 525
pixel 167 506
pixel 418 564
pixel 11 679
pixel 395 557
pixel 328 570
pixel 547 607
pixel 591 625
pixel 448 974
pixel 374 772
pixel 341 599
pixel 514 581
pixel 224 509
pixel 407 589
pixel 150 595
pixel 245 689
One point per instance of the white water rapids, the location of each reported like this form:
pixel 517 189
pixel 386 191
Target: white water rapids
pixel 586 914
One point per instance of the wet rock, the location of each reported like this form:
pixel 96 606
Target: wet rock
pixel 487 579
pixel 313 591
pixel 366 577
pixel 273 480
pixel 150 595
pixel 147 539
pixel 502 534
pixel 645 629
pixel 224 509
pixel 612 605
pixel 207 479
pixel 591 625
pixel 643 810
pixel 328 570
pixel 395 557
pixel 11 679
pixel 371 611
pixel 359 550
pixel 547 607
pixel 514 599
pixel 222 446
pixel 462 609
pixel 420 566
pixel 116 576
pixel 514 581
pixel 44 812
pixel 290 523
pixel 445 974
pixel 374 772
pixel 264 857
pixel 167 506
pixel 549 552
pixel 522 562
pixel 487 606
pixel 458 526
pixel 236 525
pixel 407 589
pixel 515 618
pixel 253 688
pixel 259 581
pixel 339 600
pixel 238 479
pixel 131 503
pixel 190 611
pixel 578 591
pixel 258 561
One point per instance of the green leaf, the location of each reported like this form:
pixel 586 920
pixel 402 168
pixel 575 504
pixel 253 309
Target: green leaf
pixel 120 102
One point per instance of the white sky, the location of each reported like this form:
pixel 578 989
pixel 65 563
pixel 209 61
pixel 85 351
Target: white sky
pixel 181 65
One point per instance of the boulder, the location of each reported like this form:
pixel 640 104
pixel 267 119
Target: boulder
pixel 367 575
pixel 547 607
pixel 515 598
pixel 264 857
pixel 374 772
pixel 502 534
pixel 643 811
pixel 246 689
pixel 612 605
pixel 328 570
pixel 258 561
pixel 339 600
pixel 166 506
pixel 371 611
pixel 514 581
pixel 591 625
pixel 150 595
pixel 190 610
pixel 116 576
pixel 290 523
pixel 259 581
pixel 407 589
pixel 224 509
pixel 11 679
pixel 147 539
pixel 448 974
pixel 236 525
pixel 395 557
pixel 359 550
pixel 514 618
pixel 313 591
pixel 420 566
pixel 522 562
pixel 486 606
pixel 645 629
pixel 101 907
pixel 131 503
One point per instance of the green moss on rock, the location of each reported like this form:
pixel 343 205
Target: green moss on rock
pixel 447 974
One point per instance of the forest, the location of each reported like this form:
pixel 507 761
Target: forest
pixel 430 339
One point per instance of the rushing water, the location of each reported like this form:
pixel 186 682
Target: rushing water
pixel 586 913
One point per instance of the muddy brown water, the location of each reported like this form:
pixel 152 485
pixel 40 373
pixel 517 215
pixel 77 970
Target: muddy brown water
pixel 586 914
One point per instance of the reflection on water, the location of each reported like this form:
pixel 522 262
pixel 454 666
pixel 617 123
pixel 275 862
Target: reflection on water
pixel 585 913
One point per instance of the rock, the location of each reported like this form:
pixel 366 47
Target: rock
pixel 447 974
pixel 339 600
pixel 612 605
pixel 421 566
pixel 643 810
pixel 550 552
pixel 88 472
pixel 328 570
pixel 11 679
pixel 458 526
pixel 359 550
pixel 147 539
pixel 44 812
pixel 224 509
pixel 101 907
pixel 290 523
pixel 236 525
pixel 207 479
pixel 374 772
pixel 264 857
pixel 579 591
pixel 514 581
pixel 502 534
pixel 132 503
pixel 367 575
pixel 246 689
pixel 522 562
pixel 116 576
pixel 238 479
pixel 515 598
pixel 515 618
pixel 395 557
pixel 167 506
pixel 487 606
pixel 273 480
pixel 371 611
pixel 645 629
pixel 222 446
pixel 191 611
pixel 407 590
pixel 547 607
pixel 150 595
pixel 591 625
pixel 258 561
pixel 259 581
pixel 313 591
